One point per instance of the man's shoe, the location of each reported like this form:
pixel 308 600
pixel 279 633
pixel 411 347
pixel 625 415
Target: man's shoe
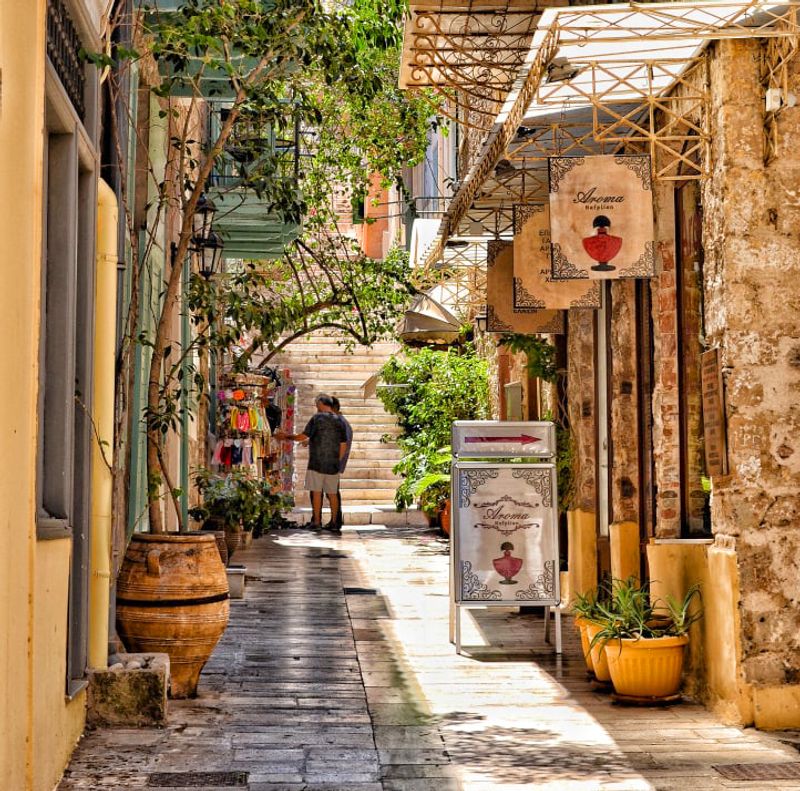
pixel 314 526
pixel 333 528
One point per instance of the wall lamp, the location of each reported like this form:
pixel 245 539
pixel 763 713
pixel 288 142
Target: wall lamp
pixel 206 242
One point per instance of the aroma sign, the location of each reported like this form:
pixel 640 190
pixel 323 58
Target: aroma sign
pixel 505 533
pixel 601 218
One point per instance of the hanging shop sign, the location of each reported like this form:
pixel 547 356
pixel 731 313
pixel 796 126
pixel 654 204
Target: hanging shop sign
pixel 505 536
pixel 714 433
pixel 601 217
pixel 500 312
pixel 503 439
pixel 534 287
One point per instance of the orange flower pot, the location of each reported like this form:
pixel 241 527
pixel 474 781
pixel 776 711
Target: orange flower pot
pixel 646 668
pixel 599 661
pixel 582 623
pixel 444 517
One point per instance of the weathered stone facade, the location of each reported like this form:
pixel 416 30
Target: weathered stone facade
pixel 666 394
pixel 583 406
pixel 752 298
pixel 623 404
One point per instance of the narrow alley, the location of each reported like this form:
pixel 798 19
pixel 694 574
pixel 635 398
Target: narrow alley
pixel 336 674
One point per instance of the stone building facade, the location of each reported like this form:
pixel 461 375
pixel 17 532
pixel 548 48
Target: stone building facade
pixel 727 280
pixel 647 499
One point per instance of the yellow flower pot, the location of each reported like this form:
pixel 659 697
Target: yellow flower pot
pixel 647 668
pixel 581 624
pixel 599 661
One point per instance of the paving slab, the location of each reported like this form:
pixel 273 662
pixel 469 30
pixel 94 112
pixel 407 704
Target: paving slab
pixel 336 674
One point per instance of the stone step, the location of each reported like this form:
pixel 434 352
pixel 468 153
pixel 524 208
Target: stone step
pixel 387 452
pixel 382 514
pixel 360 473
pixel 350 366
pixel 319 364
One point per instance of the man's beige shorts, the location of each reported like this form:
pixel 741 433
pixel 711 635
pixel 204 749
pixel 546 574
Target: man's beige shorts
pixel 319 482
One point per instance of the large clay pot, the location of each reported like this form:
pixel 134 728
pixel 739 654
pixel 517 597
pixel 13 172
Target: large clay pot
pixel 222 544
pixel 581 623
pixel 233 539
pixel 172 597
pixel 445 517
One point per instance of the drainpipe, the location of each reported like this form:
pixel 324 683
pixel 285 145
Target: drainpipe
pixel 103 414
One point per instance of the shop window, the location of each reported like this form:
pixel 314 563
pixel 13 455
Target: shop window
pixel 65 356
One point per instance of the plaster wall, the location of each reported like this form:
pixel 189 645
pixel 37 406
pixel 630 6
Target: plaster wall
pixel 713 666
pixel 58 722
pixel 21 162
pixel 37 727
pixel 752 298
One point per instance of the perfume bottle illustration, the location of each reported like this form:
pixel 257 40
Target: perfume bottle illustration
pixel 602 246
pixel 507 566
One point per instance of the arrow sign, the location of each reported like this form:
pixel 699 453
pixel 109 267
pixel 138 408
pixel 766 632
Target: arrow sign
pixel 523 439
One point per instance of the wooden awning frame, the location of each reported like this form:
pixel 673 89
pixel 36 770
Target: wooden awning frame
pixel 655 105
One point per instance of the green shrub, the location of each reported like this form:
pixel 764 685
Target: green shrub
pixel 429 389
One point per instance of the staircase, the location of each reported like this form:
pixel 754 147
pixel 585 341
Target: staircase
pixel 318 364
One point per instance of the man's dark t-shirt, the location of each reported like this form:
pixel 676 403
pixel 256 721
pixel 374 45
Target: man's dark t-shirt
pixel 325 433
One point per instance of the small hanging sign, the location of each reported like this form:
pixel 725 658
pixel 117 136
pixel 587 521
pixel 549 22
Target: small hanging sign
pixel 500 311
pixel 714 431
pixel 534 287
pixel 601 217
pixel 503 439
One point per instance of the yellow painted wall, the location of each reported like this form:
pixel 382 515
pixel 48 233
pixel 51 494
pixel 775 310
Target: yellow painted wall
pixel 582 552
pixel 714 669
pixel 37 726
pixel 22 61
pixel 57 722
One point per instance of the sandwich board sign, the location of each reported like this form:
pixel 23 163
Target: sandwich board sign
pixel 504 537
pixel 506 533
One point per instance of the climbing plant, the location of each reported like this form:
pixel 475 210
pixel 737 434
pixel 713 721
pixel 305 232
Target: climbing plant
pixel 540 354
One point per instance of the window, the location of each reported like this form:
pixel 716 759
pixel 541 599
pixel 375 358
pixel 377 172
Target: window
pixel 65 357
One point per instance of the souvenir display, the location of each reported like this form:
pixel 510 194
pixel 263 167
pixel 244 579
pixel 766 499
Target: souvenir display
pixel 250 408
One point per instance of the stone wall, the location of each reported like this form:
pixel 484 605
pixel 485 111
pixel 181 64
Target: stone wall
pixel 623 404
pixel 752 299
pixel 582 405
pixel 666 395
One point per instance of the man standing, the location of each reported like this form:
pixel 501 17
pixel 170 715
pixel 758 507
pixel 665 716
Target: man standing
pixel 327 446
pixel 338 520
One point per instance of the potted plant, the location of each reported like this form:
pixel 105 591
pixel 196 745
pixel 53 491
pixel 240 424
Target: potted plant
pixel 432 487
pixel 587 614
pixel 433 491
pixel 644 640
pixel 230 504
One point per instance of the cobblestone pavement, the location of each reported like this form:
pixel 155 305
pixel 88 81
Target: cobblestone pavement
pixel 336 674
